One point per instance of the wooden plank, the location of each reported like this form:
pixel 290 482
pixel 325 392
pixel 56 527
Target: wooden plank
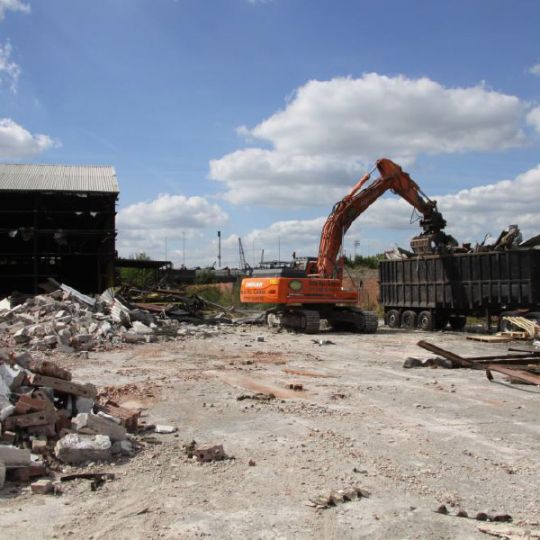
pixel 523 355
pixel 533 361
pixel 84 390
pixel 516 374
pixel 490 339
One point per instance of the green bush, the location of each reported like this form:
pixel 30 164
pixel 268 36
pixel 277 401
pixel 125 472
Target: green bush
pixel 205 276
pixel 365 261
pixel 137 277
pixel 213 293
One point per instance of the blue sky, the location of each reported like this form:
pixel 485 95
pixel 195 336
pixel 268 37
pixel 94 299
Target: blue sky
pixel 254 117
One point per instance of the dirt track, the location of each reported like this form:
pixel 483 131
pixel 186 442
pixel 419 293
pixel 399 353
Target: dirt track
pixel 414 439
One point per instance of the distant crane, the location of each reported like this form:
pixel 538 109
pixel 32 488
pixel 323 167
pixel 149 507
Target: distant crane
pixel 244 265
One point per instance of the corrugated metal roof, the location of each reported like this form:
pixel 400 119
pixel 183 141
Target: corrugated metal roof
pixel 31 177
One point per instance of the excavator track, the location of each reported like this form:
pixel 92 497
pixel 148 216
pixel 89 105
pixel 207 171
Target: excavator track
pixel 304 320
pixel 371 322
pixel 354 320
pixel 311 321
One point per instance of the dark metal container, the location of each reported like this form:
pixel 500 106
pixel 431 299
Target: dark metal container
pixel 461 284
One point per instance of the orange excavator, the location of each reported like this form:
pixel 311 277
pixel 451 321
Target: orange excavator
pixel 304 294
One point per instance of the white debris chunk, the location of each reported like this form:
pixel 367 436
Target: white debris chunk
pixel 13 456
pixel 164 429
pixel 74 448
pixel 94 424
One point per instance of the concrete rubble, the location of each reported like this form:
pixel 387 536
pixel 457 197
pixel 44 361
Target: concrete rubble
pixel 75 449
pixel 66 320
pixel 48 420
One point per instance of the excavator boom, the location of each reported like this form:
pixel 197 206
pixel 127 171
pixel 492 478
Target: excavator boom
pixel 393 178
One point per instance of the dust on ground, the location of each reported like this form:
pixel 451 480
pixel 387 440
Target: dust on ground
pixel 414 439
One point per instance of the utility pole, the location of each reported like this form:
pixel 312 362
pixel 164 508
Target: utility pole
pixel 183 248
pixel 279 248
pixel 166 248
pixel 219 249
pixel 356 246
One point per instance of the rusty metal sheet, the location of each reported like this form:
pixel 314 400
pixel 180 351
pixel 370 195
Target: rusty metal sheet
pixel 517 374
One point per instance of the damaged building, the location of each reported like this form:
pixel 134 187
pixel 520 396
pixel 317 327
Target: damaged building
pixel 57 221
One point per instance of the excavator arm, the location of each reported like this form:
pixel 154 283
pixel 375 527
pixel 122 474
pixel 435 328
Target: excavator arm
pixel 361 197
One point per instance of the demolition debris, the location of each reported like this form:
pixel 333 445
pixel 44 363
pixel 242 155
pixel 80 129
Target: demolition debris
pixel 66 320
pixel 47 419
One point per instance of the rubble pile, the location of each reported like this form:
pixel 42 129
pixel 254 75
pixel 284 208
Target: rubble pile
pixel 509 238
pixel 47 420
pixel 69 321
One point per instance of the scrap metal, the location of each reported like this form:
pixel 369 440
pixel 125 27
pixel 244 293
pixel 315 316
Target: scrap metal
pixel 525 375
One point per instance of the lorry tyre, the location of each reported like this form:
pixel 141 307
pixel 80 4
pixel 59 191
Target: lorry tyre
pixel 393 318
pixel 457 323
pixel 408 320
pixel 426 321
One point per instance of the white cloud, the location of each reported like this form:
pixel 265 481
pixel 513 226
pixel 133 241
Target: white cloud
pixel 533 118
pixel 292 232
pixel 9 70
pixel 470 213
pixel 330 130
pixel 281 179
pixel 535 70
pixel 146 226
pixel 16 142
pixel 12 5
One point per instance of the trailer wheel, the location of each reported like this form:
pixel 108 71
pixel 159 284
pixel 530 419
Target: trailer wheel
pixel 425 321
pixel 458 323
pixel 408 320
pixel 393 318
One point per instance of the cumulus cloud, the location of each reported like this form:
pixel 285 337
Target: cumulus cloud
pixel 281 179
pixel 488 209
pixel 330 131
pixel 533 118
pixel 16 142
pixel 9 70
pixel 535 70
pixel 145 226
pixel 12 5
pixel 470 213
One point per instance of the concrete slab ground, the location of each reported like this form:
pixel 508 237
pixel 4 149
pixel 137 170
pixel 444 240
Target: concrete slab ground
pixel 414 439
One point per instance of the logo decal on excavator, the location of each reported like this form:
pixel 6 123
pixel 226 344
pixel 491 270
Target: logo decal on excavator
pixel 295 285
pixel 254 284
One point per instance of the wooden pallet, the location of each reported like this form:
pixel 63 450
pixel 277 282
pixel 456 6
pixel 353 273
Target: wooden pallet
pixel 530 327
pixel 490 339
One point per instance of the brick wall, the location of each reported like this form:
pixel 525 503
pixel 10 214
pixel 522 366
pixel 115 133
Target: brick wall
pixel 367 281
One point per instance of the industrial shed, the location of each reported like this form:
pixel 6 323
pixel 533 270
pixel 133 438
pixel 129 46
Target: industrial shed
pixel 57 221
